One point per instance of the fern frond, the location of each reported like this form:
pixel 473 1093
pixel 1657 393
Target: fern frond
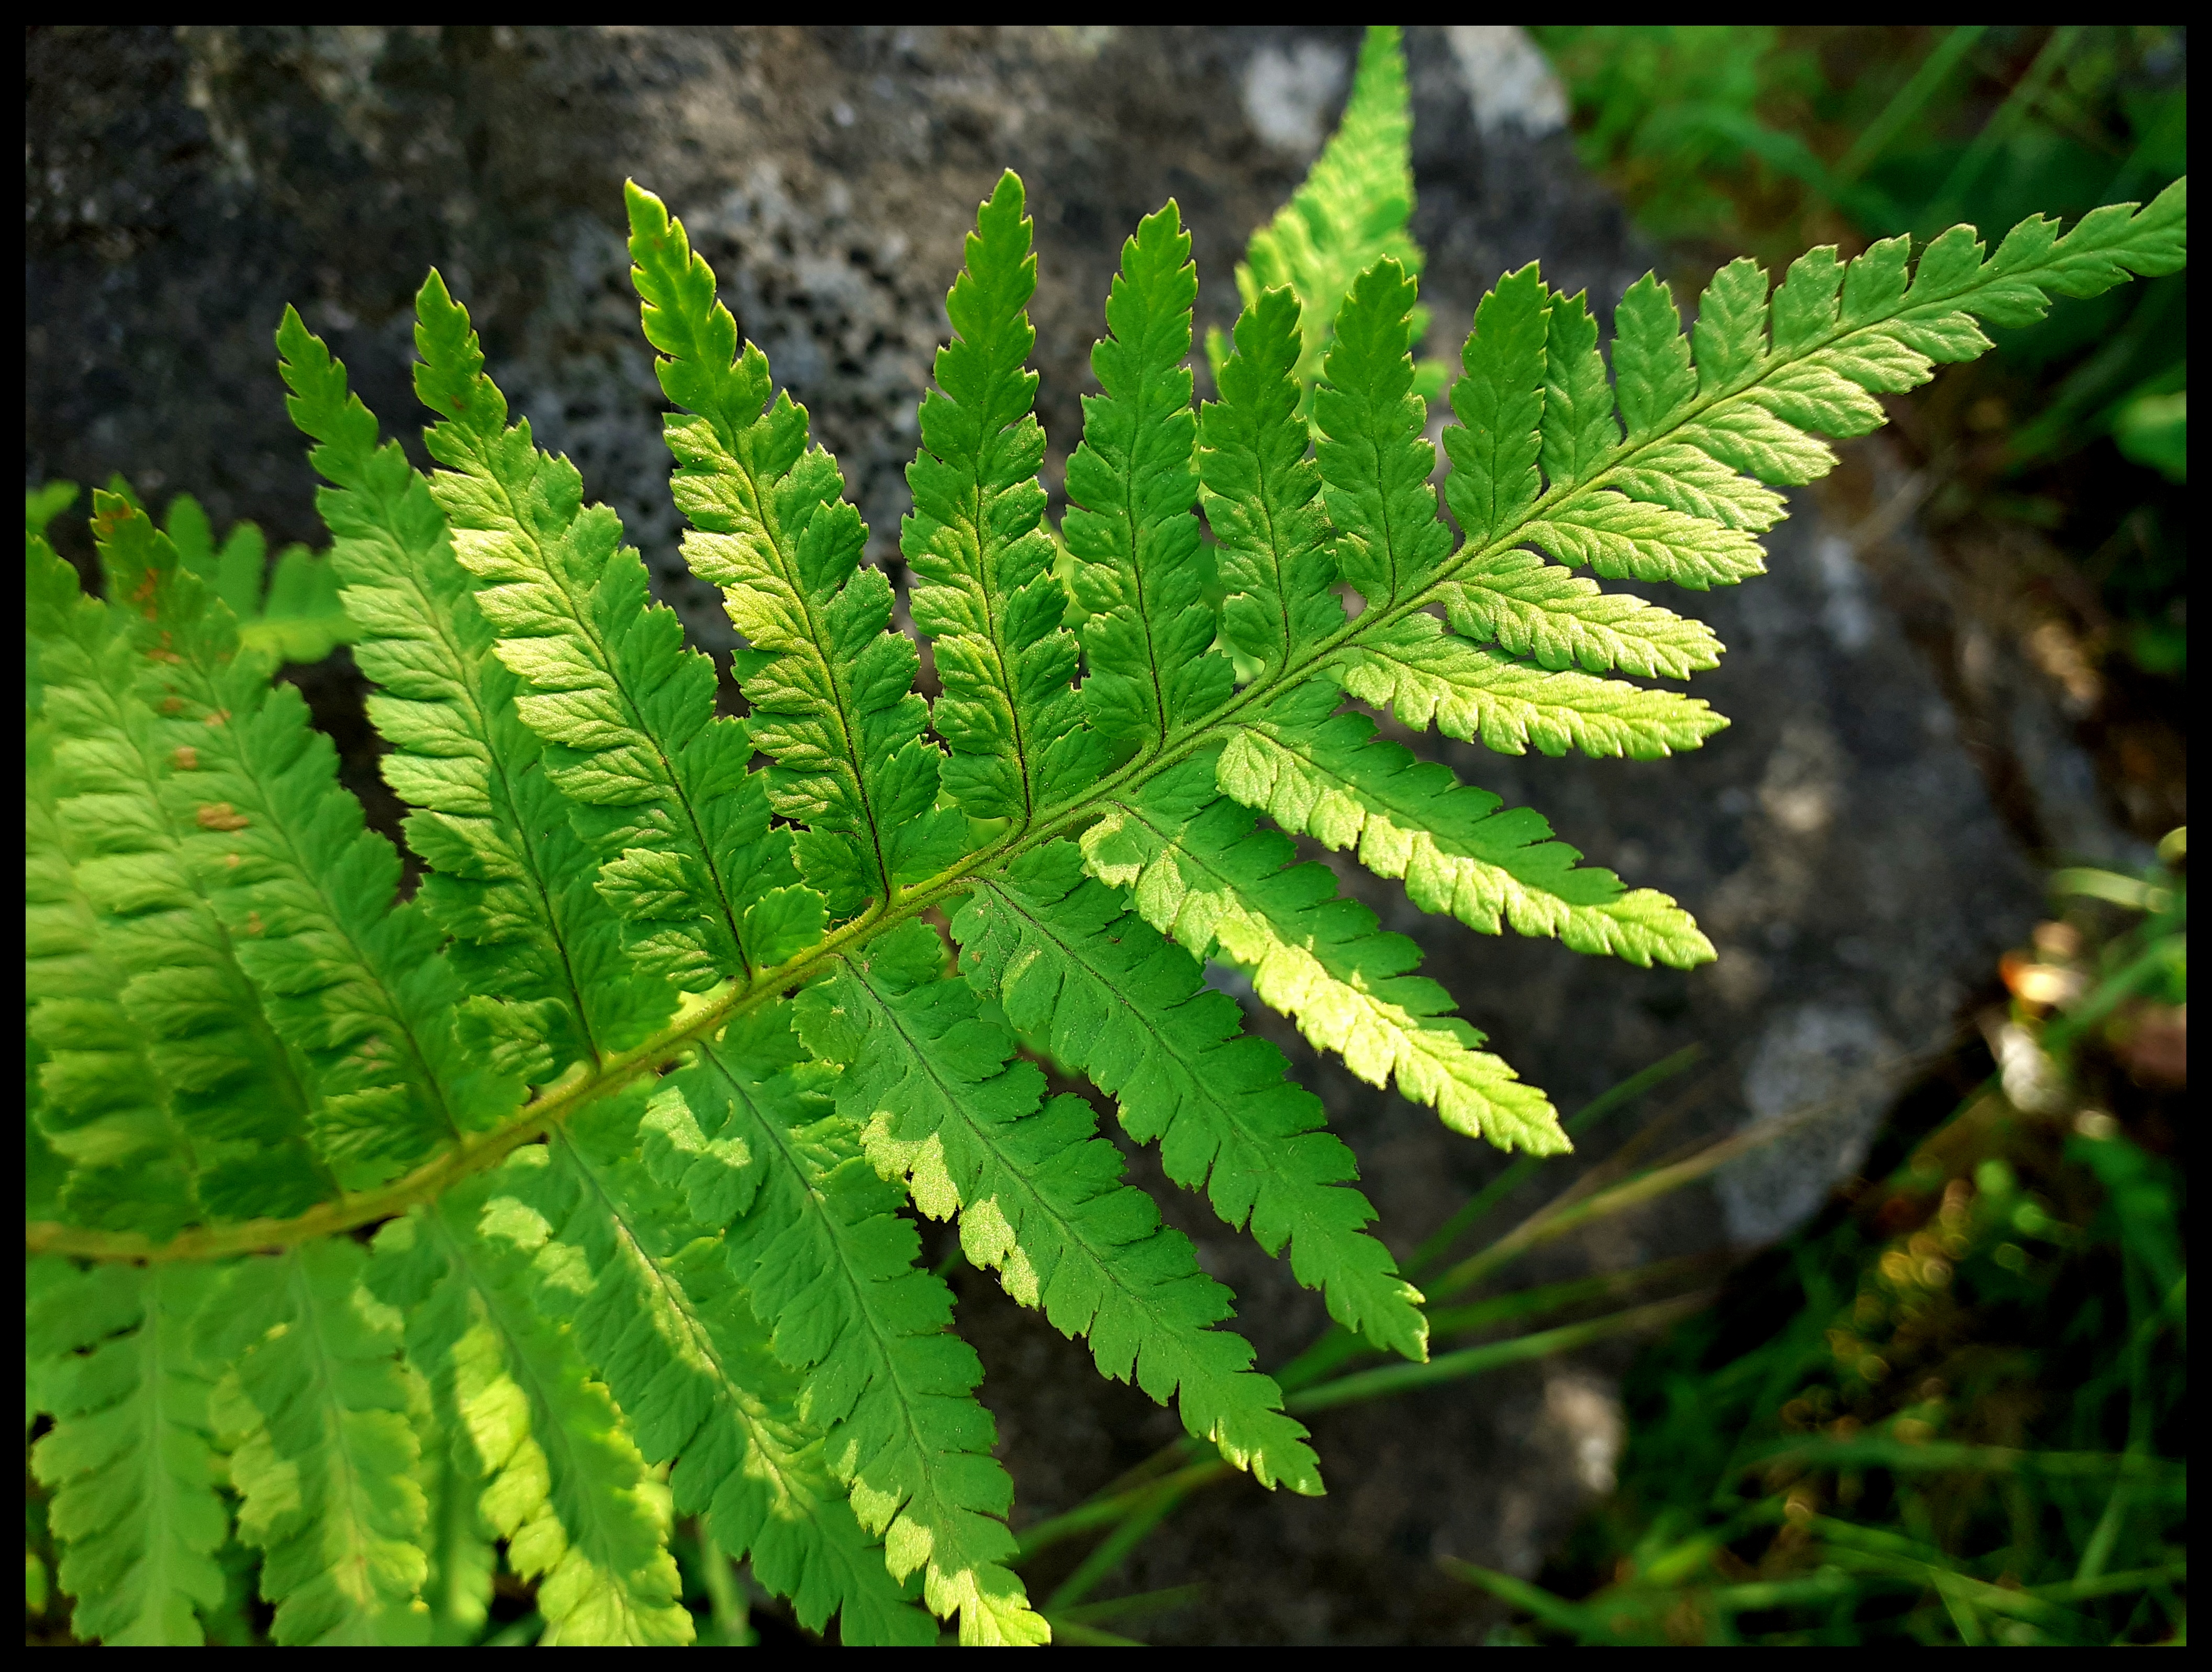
pixel 655 1305
pixel 1132 527
pixel 353 983
pixel 1200 873
pixel 1133 1011
pixel 830 682
pixel 232 1090
pixel 661 784
pixel 509 880
pixel 128 1459
pixel 829 1267
pixel 1457 850
pixel 291 610
pixel 1351 211
pixel 930 1080
pixel 324 1474
pixel 1262 495
pixel 983 588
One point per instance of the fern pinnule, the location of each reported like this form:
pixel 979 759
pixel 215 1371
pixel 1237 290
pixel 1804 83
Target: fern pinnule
pixel 660 784
pixel 323 1459
pixel 562 1479
pixel 1132 526
pixel 830 1265
pixel 984 591
pixel 1262 495
pixel 357 984
pixel 129 1457
pixel 1199 872
pixel 651 1301
pixel 101 1109
pixel 1374 461
pixel 509 879
pixel 829 682
pixel 1499 402
pixel 1329 776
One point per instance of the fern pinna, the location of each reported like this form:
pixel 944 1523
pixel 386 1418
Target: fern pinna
pixel 634 1088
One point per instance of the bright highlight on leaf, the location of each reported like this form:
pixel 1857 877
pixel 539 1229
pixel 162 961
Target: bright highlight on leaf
pixel 637 1084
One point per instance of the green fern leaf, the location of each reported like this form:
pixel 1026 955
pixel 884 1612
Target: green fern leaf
pixel 1457 850
pixel 930 1081
pixel 1131 527
pixel 354 983
pixel 1368 424
pixel 1557 619
pixel 509 881
pixel 128 1459
pixel 291 610
pixel 1200 873
pixel 830 684
pixel 1424 674
pixel 102 1106
pixel 1578 430
pixel 1133 1011
pixel 984 590
pixel 661 785
pixel 1262 495
pixel 1500 405
pixel 655 1304
pixel 829 1265
pixel 325 1472
pixel 567 1486
pixel 234 1092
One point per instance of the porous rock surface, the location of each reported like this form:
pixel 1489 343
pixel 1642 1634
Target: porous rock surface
pixel 1836 841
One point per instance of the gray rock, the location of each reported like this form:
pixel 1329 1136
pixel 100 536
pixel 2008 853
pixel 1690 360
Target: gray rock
pixel 1835 842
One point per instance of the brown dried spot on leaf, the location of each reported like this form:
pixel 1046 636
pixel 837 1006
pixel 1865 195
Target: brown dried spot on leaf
pixel 220 816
